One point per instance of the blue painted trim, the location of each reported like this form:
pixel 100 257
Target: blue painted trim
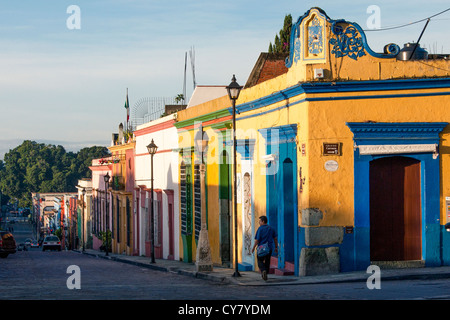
pixel 286 133
pixel 348 86
pixel 376 85
pixel 445 249
pixel 284 148
pixel 398 130
pixel 271 110
pixel 244 266
pixel 395 133
pixel 245 147
pixel 306 45
pixel 279 96
pixel 295 30
pixel 393 49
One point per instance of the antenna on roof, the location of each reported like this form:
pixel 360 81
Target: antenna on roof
pixel 420 37
pixel 192 56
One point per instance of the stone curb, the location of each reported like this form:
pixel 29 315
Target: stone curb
pixel 249 281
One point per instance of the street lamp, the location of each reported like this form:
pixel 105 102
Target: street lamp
pixel 69 225
pixel 82 216
pixel 203 261
pixel 233 93
pixel 152 147
pixel 64 228
pixel 106 179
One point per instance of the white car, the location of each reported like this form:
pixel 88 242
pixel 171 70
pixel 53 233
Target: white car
pixel 34 244
pixel 51 242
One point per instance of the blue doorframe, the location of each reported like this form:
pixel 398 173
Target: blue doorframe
pixel 281 190
pixel 355 251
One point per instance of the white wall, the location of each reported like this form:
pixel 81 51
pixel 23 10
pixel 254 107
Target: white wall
pixel 165 173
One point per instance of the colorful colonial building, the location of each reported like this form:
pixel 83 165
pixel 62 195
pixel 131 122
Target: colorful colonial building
pixel 100 199
pixel 213 119
pixel 345 152
pixel 121 188
pixel 165 190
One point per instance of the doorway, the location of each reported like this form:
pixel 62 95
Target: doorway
pixel 225 209
pixel 395 209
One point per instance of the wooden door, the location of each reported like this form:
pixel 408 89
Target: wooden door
pixel 395 209
pixel 412 211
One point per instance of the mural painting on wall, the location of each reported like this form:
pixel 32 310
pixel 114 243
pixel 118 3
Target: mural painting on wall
pixel 315 37
pixel 248 214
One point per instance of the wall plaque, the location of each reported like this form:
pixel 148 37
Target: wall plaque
pixel 331 149
pixel 331 165
pixel 397 148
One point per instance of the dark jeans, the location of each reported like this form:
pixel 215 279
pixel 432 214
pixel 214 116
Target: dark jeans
pixel 264 262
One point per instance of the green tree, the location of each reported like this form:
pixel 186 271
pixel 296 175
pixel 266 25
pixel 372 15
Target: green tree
pixel 179 98
pixel 37 167
pixel 282 39
pixel 84 159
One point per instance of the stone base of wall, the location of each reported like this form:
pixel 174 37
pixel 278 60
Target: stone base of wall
pixel 319 261
pixel 323 236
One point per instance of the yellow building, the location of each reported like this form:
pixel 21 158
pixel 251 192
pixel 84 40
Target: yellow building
pixel 213 118
pixel 121 188
pixel 346 154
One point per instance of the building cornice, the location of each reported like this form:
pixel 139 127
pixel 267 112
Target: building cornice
pixel 348 87
pixel 206 119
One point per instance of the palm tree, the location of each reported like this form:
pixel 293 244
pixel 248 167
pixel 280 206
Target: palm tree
pixel 179 98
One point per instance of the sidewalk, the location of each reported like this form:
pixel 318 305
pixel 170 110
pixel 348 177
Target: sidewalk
pixel 252 278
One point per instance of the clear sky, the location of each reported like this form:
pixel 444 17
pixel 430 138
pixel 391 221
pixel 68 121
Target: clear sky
pixel 68 86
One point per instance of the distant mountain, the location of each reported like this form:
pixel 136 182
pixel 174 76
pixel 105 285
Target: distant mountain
pixel 74 146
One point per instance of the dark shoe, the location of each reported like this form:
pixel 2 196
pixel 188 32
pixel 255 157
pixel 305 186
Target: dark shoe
pixel 264 275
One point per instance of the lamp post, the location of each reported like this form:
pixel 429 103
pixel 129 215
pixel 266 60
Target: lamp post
pixel 233 93
pixel 82 221
pixel 69 225
pixel 106 179
pixel 152 147
pixel 203 261
pixel 66 215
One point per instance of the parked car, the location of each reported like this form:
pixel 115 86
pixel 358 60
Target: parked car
pixel 34 244
pixel 51 242
pixel 28 242
pixel 7 244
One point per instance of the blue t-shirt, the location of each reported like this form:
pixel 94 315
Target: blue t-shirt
pixel 264 234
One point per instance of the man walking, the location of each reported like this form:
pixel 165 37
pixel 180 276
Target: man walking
pixel 266 242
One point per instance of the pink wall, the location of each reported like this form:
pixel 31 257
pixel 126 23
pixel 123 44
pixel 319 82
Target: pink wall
pixel 96 243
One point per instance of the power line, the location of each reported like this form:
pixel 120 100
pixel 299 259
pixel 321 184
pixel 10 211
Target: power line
pixel 408 24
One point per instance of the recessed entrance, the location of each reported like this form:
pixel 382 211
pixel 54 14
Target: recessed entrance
pixel 395 209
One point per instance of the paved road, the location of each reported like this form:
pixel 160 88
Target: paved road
pixel 41 275
pixel 35 274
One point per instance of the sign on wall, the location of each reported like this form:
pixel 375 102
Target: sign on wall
pixel 331 149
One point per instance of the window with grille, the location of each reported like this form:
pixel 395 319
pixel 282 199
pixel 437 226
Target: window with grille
pixel 185 199
pixel 197 201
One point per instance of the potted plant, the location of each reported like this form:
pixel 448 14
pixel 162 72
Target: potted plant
pixel 104 239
